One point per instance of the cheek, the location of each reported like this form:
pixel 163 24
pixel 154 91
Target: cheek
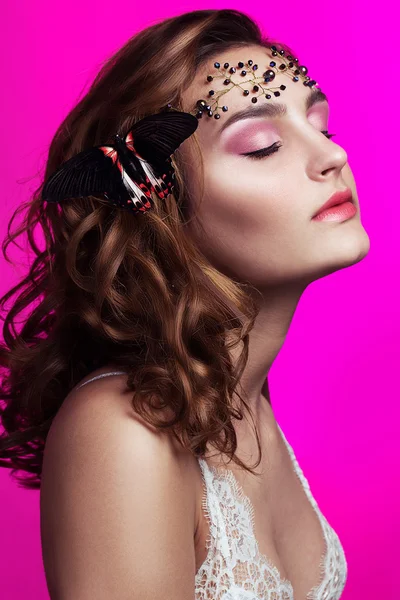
pixel 246 197
pixel 251 226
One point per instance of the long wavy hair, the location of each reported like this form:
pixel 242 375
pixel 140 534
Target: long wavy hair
pixel 132 290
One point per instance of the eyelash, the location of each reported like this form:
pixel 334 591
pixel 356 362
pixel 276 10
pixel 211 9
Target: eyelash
pixel 274 148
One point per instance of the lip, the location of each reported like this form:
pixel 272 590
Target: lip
pixel 337 198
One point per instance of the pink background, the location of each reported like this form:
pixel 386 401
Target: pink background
pixel 334 386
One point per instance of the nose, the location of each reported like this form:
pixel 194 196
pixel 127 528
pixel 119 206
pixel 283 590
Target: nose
pixel 328 159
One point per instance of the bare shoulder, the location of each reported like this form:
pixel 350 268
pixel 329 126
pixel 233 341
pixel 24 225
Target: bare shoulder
pixel 118 501
pixel 91 401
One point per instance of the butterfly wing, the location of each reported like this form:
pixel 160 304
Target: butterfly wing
pixel 90 172
pixel 157 136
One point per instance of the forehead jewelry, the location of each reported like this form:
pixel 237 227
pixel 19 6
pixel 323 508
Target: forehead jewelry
pixel 133 166
pixel 288 66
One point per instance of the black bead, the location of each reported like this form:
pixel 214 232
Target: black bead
pixel 243 72
pixel 226 65
pixel 250 62
pixel 282 67
pixel 232 70
pixel 277 93
pixel 224 108
pixel 274 54
pixel 268 96
pixel 303 70
pixel 254 100
pixel 210 113
pixel 217 65
pixel 199 114
pixel 255 88
pixel 209 78
pixel 297 72
pixel 282 87
pixel 208 107
pixel 273 47
pixel 211 93
pixel 291 64
pixel 295 78
pixel 240 65
pixel 246 93
pixel 217 116
pixel 255 67
pixel 227 81
pixel 282 52
pixel 269 74
pixel 201 104
pixel 272 63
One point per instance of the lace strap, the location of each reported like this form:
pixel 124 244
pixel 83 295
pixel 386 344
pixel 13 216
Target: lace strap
pixel 212 510
pixel 100 377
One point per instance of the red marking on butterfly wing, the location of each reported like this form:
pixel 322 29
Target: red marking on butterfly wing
pixel 145 207
pixel 145 190
pixel 129 141
pixel 110 152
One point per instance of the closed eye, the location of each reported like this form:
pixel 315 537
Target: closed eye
pixel 263 152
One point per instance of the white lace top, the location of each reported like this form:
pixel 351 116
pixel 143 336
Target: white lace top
pixel 234 568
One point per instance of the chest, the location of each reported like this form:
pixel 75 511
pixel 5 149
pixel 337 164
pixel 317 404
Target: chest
pixel 275 537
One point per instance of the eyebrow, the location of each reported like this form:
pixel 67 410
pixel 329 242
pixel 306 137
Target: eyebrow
pixel 275 109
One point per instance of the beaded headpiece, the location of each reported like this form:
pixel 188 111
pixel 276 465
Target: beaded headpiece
pixel 128 170
pixel 289 66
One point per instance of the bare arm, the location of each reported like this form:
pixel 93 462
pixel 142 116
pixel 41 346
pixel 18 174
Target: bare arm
pixel 117 506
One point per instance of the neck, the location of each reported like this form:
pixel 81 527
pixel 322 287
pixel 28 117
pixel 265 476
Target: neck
pixel 267 337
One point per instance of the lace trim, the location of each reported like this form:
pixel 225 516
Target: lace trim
pixel 333 564
pixel 217 539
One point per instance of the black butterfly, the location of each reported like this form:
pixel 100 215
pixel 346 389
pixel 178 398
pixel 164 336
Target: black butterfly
pixel 128 170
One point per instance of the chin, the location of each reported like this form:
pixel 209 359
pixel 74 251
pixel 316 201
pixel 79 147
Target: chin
pixel 350 250
pixel 355 245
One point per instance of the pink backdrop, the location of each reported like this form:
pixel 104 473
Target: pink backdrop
pixel 334 386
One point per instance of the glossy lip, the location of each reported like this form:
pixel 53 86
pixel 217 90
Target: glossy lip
pixel 337 198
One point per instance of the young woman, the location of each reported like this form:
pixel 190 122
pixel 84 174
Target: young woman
pixel 136 394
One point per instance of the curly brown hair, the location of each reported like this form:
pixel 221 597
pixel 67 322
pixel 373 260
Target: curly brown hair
pixel 114 287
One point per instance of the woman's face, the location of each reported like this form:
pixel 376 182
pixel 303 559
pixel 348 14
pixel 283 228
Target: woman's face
pixel 255 220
